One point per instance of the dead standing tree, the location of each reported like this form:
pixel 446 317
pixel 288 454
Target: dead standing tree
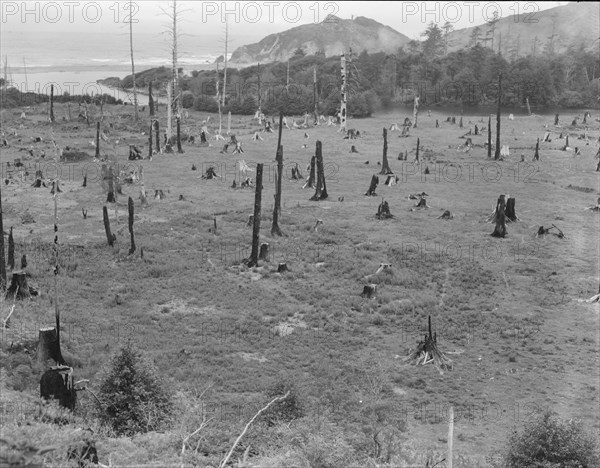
pixel 130 208
pixel 321 190
pixel 150 100
pixel 135 99
pixel 497 153
pixel 97 156
pixel 489 142
pixel 52 103
pixel 275 229
pixel 253 261
pixel 310 181
pixel 372 186
pixel 536 156
pixel 2 258
pixel 385 169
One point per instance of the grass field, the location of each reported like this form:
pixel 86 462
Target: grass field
pixel 509 308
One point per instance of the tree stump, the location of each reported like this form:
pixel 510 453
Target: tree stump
pixel 110 237
pixel 500 229
pixel 383 211
pixel 110 198
pixel 19 289
pixel 556 119
pixel 282 268
pixel 49 346
pixel 372 186
pixel 57 384
pixel 321 189
pixel 418 144
pixel 446 215
pixel 264 252
pixel 536 156
pixel 422 203
pixel 369 290
pixel 23 262
pixel 437 123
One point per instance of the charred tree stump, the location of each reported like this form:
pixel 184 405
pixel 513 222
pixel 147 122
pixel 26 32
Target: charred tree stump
pixel 476 130
pixel 57 384
pixel 556 119
pixel 373 186
pixel 264 252
pixel 110 237
pixel 11 250
pixel 150 100
pixel 427 352
pixel 130 208
pixel 97 156
pixel 497 153
pixel 282 268
pixel 84 181
pixel 536 156
pixel 321 190
pixel 385 166
pixel 253 261
pixel 275 229
pixel 489 142
pixel 179 149
pixel 510 211
pixel 84 213
pixel 23 261
pixel 383 211
pixel 369 290
pixel 418 144
pixel 460 122
pixel 310 183
pixel 566 147
pixel 437 123
pixel 49 347
pixel 422 203
pixel 52 103
pixel 19 289
pixel 500 229
pixel 110 198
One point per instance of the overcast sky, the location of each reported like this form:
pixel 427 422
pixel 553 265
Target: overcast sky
pixel 248 20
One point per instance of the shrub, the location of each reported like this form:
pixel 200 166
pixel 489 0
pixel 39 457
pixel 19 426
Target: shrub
pixel 284 410
pixel 548 442
pixel 136 399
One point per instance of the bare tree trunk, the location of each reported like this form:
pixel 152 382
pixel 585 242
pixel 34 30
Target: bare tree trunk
pixel 135 101
pixel 528 106
pixel 97 140
pixel 497 153
pixel 150 99
pixel 2 259
pixel 315 100
pixel 536 156
pixel 225 70
pixel 130 208
pixel 489 137
pixel 256 225
pixel 275 229
pixel 169 113
pixel 179 149
pixel 385 169
pixel 418 145
pixel 110 237
pixel 310 183
pixel 110 198
pixel 157 135
pixel 415 111
pixel 150 139
pixel 51 103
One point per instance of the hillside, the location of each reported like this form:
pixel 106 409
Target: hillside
pixel 573 24
pixel 331 36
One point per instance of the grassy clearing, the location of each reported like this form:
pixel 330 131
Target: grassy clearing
pixel 509 305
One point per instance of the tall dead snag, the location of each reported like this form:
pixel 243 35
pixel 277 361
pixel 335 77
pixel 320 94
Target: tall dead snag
pixel 497 153
pixel 310 182
pixel 51 103
pixel 179 149
pixel 427 352
pixel 536 156
pixel 385 169
pixel 275 229
pixel 418 145
pixel 97 140
pixel 372 187
pixel 415 111
pixel 110 198
pixel 157 135
pixel 343 94
pixel 500 218
pixel 509 212
pixel 110 237
pixel 489 142
pixel 150 99
pixel 11 249
pixel 253 261
pixel 150 140
pixel 321 190
pixel 130 208
pixel 135 99
pixel 2 259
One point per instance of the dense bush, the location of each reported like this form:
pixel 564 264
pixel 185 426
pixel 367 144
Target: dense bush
pixel 548 442
pixel 136 398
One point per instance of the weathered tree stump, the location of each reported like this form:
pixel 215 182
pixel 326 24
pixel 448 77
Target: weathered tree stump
pixel 509 212
pixel 536 156
pixel 556 119
pixel 19 289
pixel 282 268
pixel 85 453
pixel 84 213
pixel 383 211
pixel 110 198
pixel 422 203
pixel 321 189
pixel 500 229
pixel 264 252
pixel 446 215
pixel 369 290
pixel 437 123
pixel 57 384
pixel 310 183
pixel 373 186
pixel 49 347
pixel 23 261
